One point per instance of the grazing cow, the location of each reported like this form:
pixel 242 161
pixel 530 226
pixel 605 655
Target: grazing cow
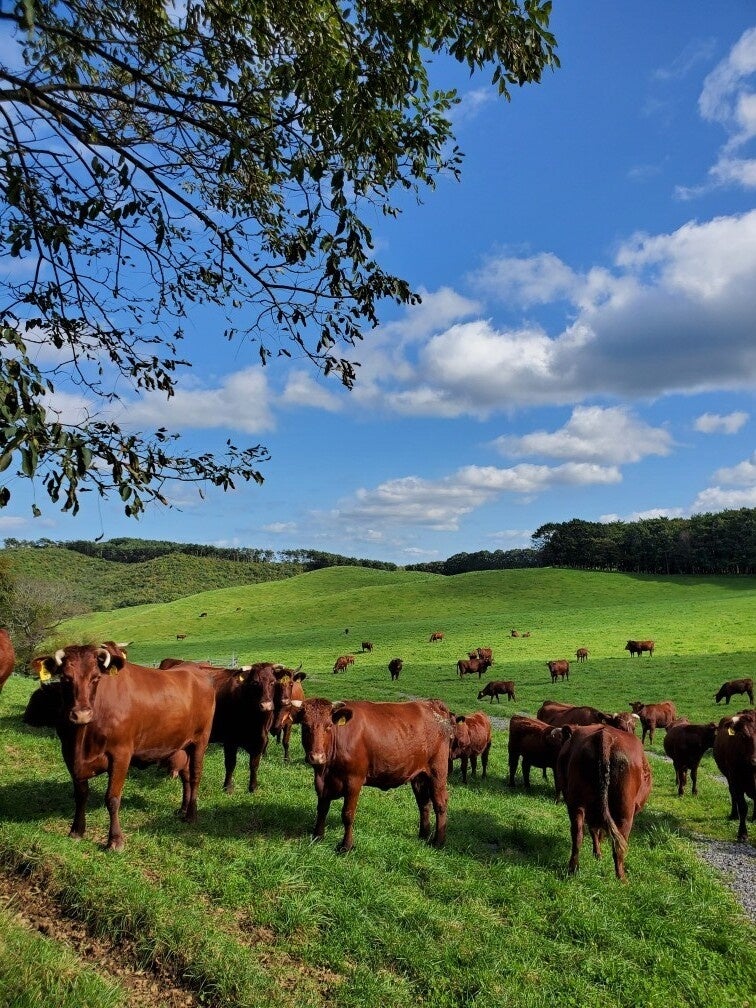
pixel 514 633
pixel 180 636
pixel 606 779
pixel 639 646
pixel 558 714
pixel 735 755
pixel 288 698
pixel 203 614
pixel 381 745
pixel 653 716
pixel 469 666
pixel 395 667
pixel 108 720
pixel 493 689
pixel 733 686
pixel 7 657
pixel 536 742
pixel 436 636
pixel 472 738
pixel 342 662
pixel 527 634
pixel 582 654
pixel 367 645
pixel 485 654
pixel 685 745
pixel 559 669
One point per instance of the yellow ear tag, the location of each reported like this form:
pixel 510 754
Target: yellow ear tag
pixel 730 731
pixel 341 721
pixel 240 677
pixel 285 680
pixel 44 675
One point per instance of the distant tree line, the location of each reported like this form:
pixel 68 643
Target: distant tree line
pixel 461 563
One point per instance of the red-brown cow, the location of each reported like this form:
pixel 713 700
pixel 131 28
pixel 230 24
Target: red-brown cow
pixel 472 738
pixel 485 654
pixel 685 745
pixel 436 636
pixel 653 716
pixel 395 666
pixel 606 780
pixel 558 714
pixel 582 654
pixel 733 687
pixel 559 669
pixel 367 645
pixel 536 742
pixel 342 662
pixel 637 647
pixel 289 697
pixel 469 666
pixel 493 689
pixel 514 633
pixel 109 719
pixel 7 657
pixel 381 745
pixel 735 755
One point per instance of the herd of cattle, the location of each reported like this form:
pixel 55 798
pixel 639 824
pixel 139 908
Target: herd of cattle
pixel 103 706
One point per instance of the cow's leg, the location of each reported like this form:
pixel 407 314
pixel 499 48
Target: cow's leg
pixel 196 762
pixel 742 815
pixel 440 799
pixel 694 779
pixel 474 764
pixel 484 762
pixel 596 837
pixel 229 761
pixel 422 792
pixel 526 772
pixel 577 821
pixel 116 779
pixel 682 780
pixel 81 794
pixel 186 790
pixel 324 805
pixel 513 761
pixel 285 740
pixel 351 797
pixel 733 805
pixel 254 763
pixel 463 767
pixel 750 696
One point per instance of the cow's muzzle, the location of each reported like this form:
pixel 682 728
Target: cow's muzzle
pixel 316 759
pixel 80 717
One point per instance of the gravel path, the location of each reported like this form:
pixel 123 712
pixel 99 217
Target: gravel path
pixel 737 863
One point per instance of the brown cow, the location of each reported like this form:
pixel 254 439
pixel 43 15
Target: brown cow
pixel 735 755
pixel 109 707
pixel 558 714
pixel 606 780
pixel 342 662
pixel 639 646
pixel 685 745
pixel 381 745
pixel 559 669
pixel 472 738
pixel 469 666
pixel 367 645
pixel 536 742
pixel 514 633
pixel 7 657
pixel 653 716
pixel 288 698
pixel 582 654
pixel 493 689
pixel 395 666
pixel 180 636
pixel 733 686
pixel 436 636
pixel 485 654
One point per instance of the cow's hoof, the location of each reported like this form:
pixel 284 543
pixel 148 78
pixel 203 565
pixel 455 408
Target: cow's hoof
pixel 343 849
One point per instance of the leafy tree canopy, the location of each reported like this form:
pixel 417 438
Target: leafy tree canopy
pixel 231 153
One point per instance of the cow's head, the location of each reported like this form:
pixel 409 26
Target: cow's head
pixel 742 728
pixel 636 706
pixel 259 683
pixel 320 720
pixel 623 721
pixel 79 669
pixel 283 701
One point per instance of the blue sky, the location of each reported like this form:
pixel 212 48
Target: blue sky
pixel 586 345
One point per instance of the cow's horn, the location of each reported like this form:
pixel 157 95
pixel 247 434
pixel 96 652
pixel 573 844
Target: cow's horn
pixel 59 655
pixel 103 656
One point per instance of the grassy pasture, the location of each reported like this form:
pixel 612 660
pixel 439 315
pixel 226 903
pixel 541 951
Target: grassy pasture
pixel 243 907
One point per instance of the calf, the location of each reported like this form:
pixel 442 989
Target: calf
pixel 637 647
pixel 7 657
pixel 436 636
pixel 472 738
pixel 381 745
pixel 288 697
pixel 606 780
pixel 536 742
pixel 735 755
pixel 653 716
pixel 559 669
pixel 732 687
pixel 395 666
pixel 582 654
pixel 685 745
pixel 493 689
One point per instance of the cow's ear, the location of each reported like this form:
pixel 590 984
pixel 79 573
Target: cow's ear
pixel 108 662
pixel 44 668
pixel 299 676
pixel 459 718
pixel 340 715
pixel 566 732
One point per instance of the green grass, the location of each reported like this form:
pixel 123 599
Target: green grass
pixel 242 907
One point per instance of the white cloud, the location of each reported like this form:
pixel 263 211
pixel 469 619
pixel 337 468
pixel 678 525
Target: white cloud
pixel 714 423
pixel 9 523
pixel 592 434
pixel 281 528
pixel 471 102
pixel 303 390
pixel 716 499
pixel 743 474
pixel 634 516
pixel 537 280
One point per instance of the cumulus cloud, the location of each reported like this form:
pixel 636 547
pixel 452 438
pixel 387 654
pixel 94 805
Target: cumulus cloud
pixel 714 423
pixel 716 499
pixel 593 434
pixel 538 279
pixel 633 516
pixel 743 474
pixel 302 390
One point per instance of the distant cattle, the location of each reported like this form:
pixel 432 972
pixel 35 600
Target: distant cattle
pixel 203 614
pixel 558 714
pixel 436 636
pixel 537 742
pixel 559 669
pixel 685 745
pixel 395 667
pixel 471 666
pixel 342 662
pixel 485 654
pixel 582 654
pixel 653 716
pixel 735 755
pixel 527 634
pixel 493 689
pixel 606 780
pixel 733 687
pixel 180 636
pixel 637 647
pixel 382 745
pixel 367 645
pixel 471 739
pixel 7 657
pixel 108 720
pixel 514 633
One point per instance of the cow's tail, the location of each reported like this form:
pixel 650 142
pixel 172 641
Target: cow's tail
pixel 605 772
